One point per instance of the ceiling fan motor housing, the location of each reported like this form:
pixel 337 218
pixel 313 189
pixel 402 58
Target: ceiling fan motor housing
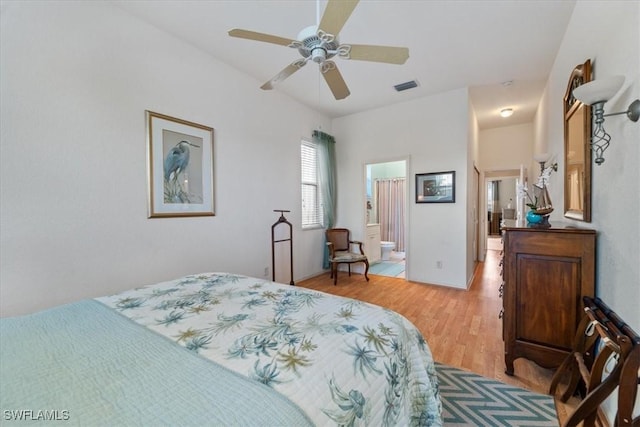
pixel 315 47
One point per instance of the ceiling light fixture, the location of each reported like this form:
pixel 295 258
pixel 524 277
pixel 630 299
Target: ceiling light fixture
pixel 596 93
pixel 506 112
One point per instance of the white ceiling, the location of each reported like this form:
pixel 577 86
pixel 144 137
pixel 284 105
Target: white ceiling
pixel 452 44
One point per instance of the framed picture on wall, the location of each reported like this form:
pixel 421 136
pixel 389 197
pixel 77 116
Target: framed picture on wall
pixel 437 187
pixel 180 167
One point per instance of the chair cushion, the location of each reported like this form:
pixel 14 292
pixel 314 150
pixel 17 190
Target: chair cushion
pixel 343 256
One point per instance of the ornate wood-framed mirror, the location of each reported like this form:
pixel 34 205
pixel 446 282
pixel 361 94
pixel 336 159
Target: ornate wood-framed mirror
pixel 577 148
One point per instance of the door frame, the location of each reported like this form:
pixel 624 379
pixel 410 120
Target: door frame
pixel 476 216
pixel 488 176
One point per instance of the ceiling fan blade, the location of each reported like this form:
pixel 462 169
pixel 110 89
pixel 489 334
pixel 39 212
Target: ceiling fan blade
pixel 363 52
pixel 286 72
pixel 261 37
pixel 334 79
pixel 336 14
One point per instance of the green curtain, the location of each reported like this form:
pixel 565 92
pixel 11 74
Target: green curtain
pixel 327 181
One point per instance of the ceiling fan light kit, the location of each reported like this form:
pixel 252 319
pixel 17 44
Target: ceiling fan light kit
pixel 320 43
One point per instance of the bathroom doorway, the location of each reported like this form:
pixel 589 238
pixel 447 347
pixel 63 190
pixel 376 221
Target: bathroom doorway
pixel 386 215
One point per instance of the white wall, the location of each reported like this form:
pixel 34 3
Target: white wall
pixel 508 193
pixel 506 147
pixel 76 79
pixel 608 33
pixel 432 132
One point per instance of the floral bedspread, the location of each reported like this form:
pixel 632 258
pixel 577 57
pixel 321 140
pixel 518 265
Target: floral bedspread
pixel 344 362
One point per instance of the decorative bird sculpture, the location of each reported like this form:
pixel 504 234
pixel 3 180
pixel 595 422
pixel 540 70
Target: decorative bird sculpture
pixel 177 160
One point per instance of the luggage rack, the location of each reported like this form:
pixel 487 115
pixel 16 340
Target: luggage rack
pixel 603 339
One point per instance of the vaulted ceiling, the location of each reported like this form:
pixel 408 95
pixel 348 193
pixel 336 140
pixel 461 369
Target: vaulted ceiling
pixel 480 44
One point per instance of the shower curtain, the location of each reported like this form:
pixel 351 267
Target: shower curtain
pixel 390 197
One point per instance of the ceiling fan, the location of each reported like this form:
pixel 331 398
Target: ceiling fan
pixel 320 44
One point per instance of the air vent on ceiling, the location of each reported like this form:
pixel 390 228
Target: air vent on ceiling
pixel 406 85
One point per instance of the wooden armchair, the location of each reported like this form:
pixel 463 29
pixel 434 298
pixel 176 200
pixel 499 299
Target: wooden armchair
pixel 340 252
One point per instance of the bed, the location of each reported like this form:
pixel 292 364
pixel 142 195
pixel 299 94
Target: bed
pixel 217 349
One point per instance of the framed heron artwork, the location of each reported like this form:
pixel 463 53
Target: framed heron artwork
pixel 180 167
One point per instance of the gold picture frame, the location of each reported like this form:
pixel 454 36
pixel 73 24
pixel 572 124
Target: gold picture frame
pixel 577 148
pixel 180 167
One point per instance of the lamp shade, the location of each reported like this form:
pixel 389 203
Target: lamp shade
pixel 600 90
pixel 542 157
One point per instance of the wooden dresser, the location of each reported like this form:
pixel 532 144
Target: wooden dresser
pixel 545 272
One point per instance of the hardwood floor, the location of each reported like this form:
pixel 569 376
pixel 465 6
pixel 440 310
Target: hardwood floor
pixel 462 327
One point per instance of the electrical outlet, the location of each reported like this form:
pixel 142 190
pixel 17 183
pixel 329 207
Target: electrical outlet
pixel 438 264
pixel 266 272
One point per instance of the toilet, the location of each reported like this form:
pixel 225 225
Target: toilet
pixel 386 248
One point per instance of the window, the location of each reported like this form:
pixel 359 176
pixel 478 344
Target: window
pixel 311 206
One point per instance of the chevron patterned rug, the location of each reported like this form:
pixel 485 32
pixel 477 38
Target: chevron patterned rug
pixel 469 399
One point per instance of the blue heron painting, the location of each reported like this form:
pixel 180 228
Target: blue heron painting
pixel 175 165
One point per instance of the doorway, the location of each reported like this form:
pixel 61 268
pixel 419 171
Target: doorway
pixel 500 203
pixel 386 217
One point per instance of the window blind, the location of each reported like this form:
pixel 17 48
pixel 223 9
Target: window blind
pixel 311 209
